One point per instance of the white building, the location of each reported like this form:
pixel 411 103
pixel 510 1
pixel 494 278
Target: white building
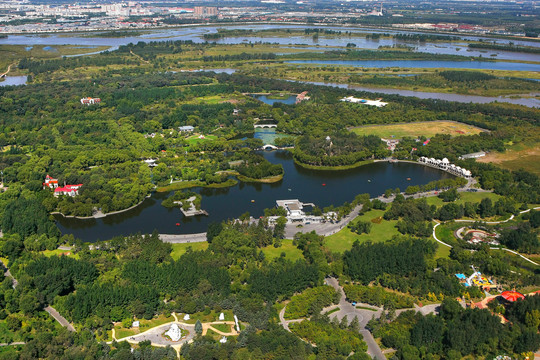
pixel 294 208
pixel 445 165
pixel 475 155
pixel 352 99
pixel 187 128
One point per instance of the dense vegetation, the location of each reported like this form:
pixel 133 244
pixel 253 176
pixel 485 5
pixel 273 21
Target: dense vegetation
pixel 247 268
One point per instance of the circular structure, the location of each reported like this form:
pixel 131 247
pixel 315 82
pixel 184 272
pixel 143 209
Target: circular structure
pixel 512 295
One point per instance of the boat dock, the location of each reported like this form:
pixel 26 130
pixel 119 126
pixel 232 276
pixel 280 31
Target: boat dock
pixel 192 211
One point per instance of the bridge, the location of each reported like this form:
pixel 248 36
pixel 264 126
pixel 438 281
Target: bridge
pixel 269 147
pixel 265 126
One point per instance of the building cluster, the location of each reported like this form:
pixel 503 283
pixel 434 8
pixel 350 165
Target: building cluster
pixel 445 165
pixel 301 97
pixel 90 101
pixel 352 99
pixel 68 190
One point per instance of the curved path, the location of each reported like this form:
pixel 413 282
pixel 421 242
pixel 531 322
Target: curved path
pixel 491 223
pixel 52 311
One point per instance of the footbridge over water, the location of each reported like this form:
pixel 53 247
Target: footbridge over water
pixel 269 147
pixel 265 126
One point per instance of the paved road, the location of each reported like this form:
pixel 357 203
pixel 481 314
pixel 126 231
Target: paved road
pixel 155 335
pixel 7 273
pixel 62 320
pixel 55 314
pixel 347 309
pixel 489 222
pixel 13 343
pixel 327 228
pixel 285 323
pixel 182 239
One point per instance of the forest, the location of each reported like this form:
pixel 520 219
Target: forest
pixel 248 268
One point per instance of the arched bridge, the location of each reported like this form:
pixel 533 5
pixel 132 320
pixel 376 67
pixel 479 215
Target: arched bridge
pixel 265 126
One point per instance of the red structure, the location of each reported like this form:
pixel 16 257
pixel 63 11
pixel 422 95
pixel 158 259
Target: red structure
pixel 512 295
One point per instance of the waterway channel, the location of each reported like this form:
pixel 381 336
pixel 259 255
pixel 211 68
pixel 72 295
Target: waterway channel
pixel 228 203
pixel 357 36
pixel 525 101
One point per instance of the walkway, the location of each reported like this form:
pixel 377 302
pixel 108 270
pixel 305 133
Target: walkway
pixel 491 223
pixel 8 70
pixel 185 238
pixel 285 323
pixel 347 309
pixel 55 314
pixel 62 320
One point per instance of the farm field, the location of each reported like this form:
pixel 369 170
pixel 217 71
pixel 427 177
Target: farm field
pixel 426 129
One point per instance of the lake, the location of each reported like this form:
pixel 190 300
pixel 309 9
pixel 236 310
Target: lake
pixel 265 99
pixel 14 80
pixel 228 203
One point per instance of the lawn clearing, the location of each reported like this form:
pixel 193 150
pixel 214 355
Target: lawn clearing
pixel 417 129
pixel 515 158
pixel 291 252
pixel 380 231
pixel 226 328
pixel 474 197
pixel 121 332
pixel 206 318
pixel 197 138
pixel 180 249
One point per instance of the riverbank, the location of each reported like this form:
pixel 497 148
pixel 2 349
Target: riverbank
pixel 99 214
pixel 266 180
pixel 337 168
pixel 180 185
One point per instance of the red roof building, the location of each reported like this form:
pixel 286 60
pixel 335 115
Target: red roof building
pixel 50 182
pixel 512 295
pixel 69 190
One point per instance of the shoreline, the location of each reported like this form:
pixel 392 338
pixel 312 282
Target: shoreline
pixel 266 180
pixel 98 214
pixel 336 168
pixel 301 23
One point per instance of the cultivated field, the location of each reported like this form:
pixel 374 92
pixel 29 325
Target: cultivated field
pixel 417 129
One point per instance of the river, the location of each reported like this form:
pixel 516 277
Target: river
pixel 528 101
pixel 357 37
pixel 228 203
pixel 476 65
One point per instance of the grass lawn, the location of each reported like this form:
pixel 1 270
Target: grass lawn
pixel 122 332
pixel 214 99
pixel 194 139
pixel 226 328
pixel 416 129
pixel 58 252
pixel 344 239
pixel 332 311
pixel 442 251
pixel 445 232
pixel 474 197
pixel 180 249
pixel 519 156
pixel 206 318
pixel 291 252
